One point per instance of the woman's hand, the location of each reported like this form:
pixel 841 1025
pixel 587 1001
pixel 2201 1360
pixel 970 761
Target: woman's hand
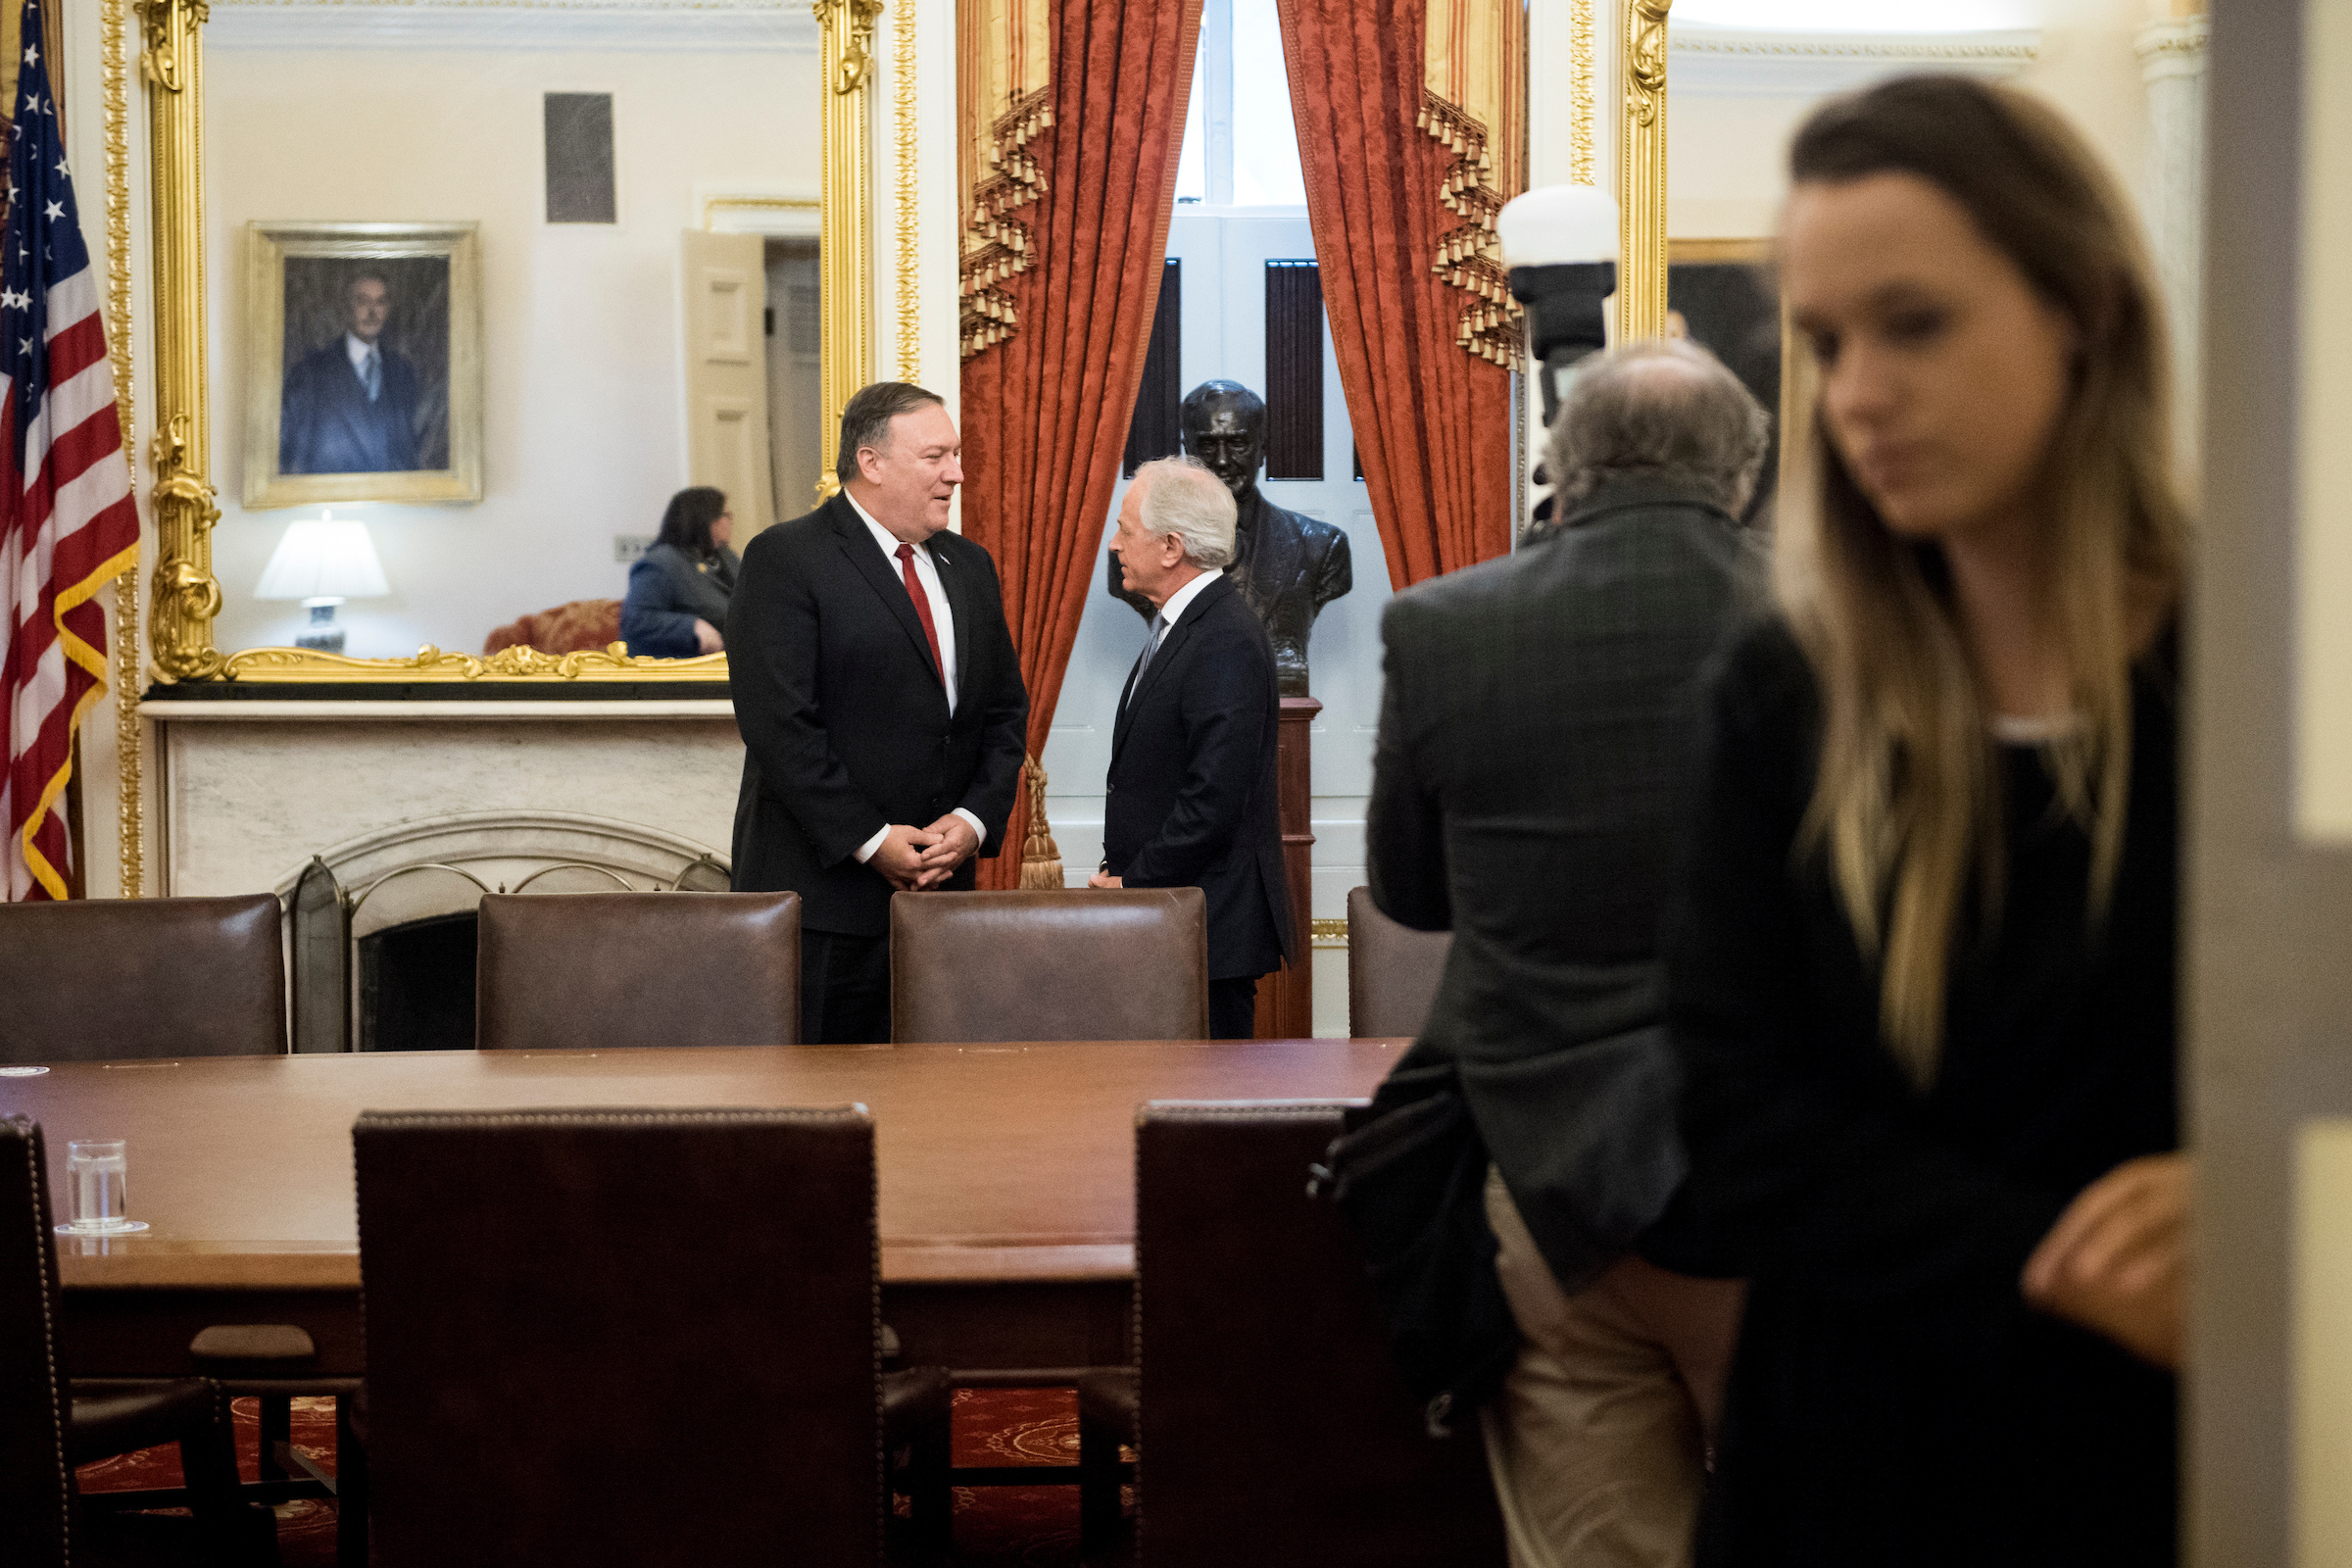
pixel 707 637
pixel 2117 1262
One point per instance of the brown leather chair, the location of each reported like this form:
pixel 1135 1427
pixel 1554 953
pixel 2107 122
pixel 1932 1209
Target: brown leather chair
pixel 1273 1427
pixel 104 979
pixel 576 971
pixel 626 1336
pixel 1393 971
pixel 49 1425
pixel 1083 965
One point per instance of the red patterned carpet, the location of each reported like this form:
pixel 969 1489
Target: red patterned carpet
pixel 996 1526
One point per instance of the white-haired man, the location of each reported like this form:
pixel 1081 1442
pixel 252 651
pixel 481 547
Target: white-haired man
pixel 1189 801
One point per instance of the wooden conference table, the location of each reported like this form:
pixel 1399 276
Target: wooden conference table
pixel 1006 1176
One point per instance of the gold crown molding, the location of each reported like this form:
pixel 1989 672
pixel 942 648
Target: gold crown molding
pixel 114 65
pixel 901 97
pixel 612 662
pixel 1743 250
pixel 1641 175
pixel 712 206
pixel 845 253
pixel 1582 95
pixel 1329 933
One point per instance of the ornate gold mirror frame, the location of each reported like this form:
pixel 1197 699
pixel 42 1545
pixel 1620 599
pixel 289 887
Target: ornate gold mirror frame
pixel 185 596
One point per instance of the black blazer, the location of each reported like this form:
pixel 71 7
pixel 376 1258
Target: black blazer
pixel 845 727
pixel 669 591
pixel 1530 792
pixel 1191 799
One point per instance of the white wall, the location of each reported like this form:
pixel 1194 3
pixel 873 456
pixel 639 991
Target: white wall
pixel 1727 149
pixel 583 430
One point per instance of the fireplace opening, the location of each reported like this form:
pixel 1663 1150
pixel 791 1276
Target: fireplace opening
pixel 417 984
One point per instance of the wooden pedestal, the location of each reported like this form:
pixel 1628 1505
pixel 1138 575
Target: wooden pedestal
pixel 1286 998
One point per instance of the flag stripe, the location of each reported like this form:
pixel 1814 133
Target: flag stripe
pixel 68 520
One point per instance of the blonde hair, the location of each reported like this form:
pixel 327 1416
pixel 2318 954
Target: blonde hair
pixel 1908 800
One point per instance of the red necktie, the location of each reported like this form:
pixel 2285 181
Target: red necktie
pixel 922 608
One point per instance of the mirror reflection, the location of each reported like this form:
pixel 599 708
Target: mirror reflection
pixel 535 290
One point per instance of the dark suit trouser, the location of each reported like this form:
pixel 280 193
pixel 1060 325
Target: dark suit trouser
pixel 1233 1009
pixel 845 988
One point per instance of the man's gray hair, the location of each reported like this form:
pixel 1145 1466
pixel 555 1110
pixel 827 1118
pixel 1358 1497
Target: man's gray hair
pixel 865 421
pixel 1183 498
pixel 1662 407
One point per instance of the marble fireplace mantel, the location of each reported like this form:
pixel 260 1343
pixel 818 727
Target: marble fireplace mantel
pixel 250 790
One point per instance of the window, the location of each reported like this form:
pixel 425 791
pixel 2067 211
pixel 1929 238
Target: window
pixel 1241 147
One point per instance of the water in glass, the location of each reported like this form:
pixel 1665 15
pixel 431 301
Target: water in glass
pixel 97 1177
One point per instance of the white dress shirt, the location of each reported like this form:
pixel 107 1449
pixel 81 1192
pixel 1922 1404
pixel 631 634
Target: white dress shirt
pixel 943 621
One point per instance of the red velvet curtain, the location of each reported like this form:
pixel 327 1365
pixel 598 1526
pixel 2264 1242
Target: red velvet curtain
pixel 1432 423
pixel 1045 410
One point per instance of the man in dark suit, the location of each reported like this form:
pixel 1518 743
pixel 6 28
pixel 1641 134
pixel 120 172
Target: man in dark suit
pixel 351 406
pixel 1536 739
pixel 883 716
pixel 1191 794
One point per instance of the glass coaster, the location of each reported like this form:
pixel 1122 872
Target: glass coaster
pixel 120 1227
pixel 21 1073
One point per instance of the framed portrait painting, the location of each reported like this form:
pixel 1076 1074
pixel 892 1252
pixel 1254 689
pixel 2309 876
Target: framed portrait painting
pixel 364 377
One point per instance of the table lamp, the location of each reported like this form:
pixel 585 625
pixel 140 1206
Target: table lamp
pixel 322 562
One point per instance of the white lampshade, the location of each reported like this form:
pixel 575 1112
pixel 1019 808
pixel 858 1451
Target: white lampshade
pixel 319 558
pixel 1556 225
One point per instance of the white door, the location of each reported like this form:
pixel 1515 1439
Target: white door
pixel 727 374
pixel 1224 258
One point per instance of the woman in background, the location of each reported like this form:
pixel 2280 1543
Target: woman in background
pixel 678 589
pixel 1923 974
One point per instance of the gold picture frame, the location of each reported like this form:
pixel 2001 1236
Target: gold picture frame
pixel 184 596
pixel 431 348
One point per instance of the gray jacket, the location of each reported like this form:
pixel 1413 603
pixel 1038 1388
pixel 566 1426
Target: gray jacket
pixel 668 591
pixel 1536 745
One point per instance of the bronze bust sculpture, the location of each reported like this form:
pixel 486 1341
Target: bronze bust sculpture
pixel 1287 565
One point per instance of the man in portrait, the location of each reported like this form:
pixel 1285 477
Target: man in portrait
pixel 1287 565
pixel 350 407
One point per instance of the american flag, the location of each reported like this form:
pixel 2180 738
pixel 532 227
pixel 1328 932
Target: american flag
pixel 68 523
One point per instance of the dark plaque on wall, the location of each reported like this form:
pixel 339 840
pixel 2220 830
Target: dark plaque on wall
pixel 579 159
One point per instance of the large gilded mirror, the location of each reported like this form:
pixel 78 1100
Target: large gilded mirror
pixel 446 354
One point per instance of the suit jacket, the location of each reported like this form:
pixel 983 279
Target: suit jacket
pixel 327 425
pixel 1537 745
pixel 1190 798
pixel 845 727
pixel 669 592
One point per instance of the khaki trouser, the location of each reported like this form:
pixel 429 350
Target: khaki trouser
pixel 1597 1440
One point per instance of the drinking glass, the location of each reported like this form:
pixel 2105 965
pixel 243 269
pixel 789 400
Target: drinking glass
pixel 96 1183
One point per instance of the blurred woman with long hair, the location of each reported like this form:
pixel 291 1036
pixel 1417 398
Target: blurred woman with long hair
pixel 1923 972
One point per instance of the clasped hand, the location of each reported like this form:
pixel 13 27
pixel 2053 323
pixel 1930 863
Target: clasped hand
pixel 917 860
pixel 2117 1262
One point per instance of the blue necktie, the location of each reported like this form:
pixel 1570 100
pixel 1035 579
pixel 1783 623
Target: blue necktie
pixel 371 374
